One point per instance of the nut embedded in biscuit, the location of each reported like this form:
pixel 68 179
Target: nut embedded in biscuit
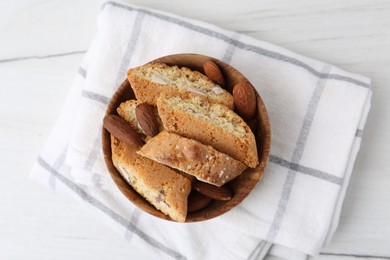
pixel 216 125
pixel 192 157
pixel 152 79
pixel 164 188
pixel 206 142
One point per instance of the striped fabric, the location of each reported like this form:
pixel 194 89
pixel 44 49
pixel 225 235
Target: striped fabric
pixel 317 113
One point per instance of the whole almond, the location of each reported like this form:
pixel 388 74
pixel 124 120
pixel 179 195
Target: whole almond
pixel 244 100
pixel 197 201
pixel 214 192
pixel 122 130
pixel 213 72
pixel 147 119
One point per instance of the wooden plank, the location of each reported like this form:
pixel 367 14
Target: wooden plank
pixel 38 224
pixel 32 28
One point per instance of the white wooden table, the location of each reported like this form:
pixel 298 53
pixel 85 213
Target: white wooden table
pixel 41 46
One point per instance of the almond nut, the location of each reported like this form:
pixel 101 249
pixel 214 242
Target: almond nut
pixel 213 72
pixel 214 192
pixel 146 118
pixel 244 100
pixel 197 201
pixel 192 152
pixel 122 130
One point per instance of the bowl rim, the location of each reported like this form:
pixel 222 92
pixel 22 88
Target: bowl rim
pixel 255 173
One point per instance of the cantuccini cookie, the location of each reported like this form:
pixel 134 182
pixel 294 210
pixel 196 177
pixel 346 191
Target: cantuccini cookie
pixel 216 125
pixel 192 157
pixel 152 79
pixel 161 186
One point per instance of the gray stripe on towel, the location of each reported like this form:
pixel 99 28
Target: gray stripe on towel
pixel 306 170
pixel 297 155
pixel 260 251
pixel 94 96
pixel 89 163
pixel 359 133
pixel 133 220
pixel 97 180
pixel 57 165
pixel 241 45
pixel 131 44
pixel 82 72
pixel 109 212
pixel 92 158
pixel 227 57
pixel 130 48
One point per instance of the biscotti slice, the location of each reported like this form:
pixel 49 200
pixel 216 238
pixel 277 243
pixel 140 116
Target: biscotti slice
pixel 194 117
pixel 190 156
pixel 152 79
pixel 163 187
pixel 126 110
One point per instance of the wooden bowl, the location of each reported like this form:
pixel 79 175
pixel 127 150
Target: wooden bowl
pixel 241 186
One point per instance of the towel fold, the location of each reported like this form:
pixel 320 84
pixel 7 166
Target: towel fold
pixel 317 114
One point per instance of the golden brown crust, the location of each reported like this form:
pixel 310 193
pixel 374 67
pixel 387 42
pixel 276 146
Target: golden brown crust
pixel 161 186
pixel 240 145
pixel 147 91
pixel 192 157
pixel 172 79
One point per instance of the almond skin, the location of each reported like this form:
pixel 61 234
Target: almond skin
pixel 244 100
pixel 192 152
pixel 214 192
pixel 197 201
pixel 146 118
pixel 122 130
pixel 213 72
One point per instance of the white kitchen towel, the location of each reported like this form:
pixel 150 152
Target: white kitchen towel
pixel 317 114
